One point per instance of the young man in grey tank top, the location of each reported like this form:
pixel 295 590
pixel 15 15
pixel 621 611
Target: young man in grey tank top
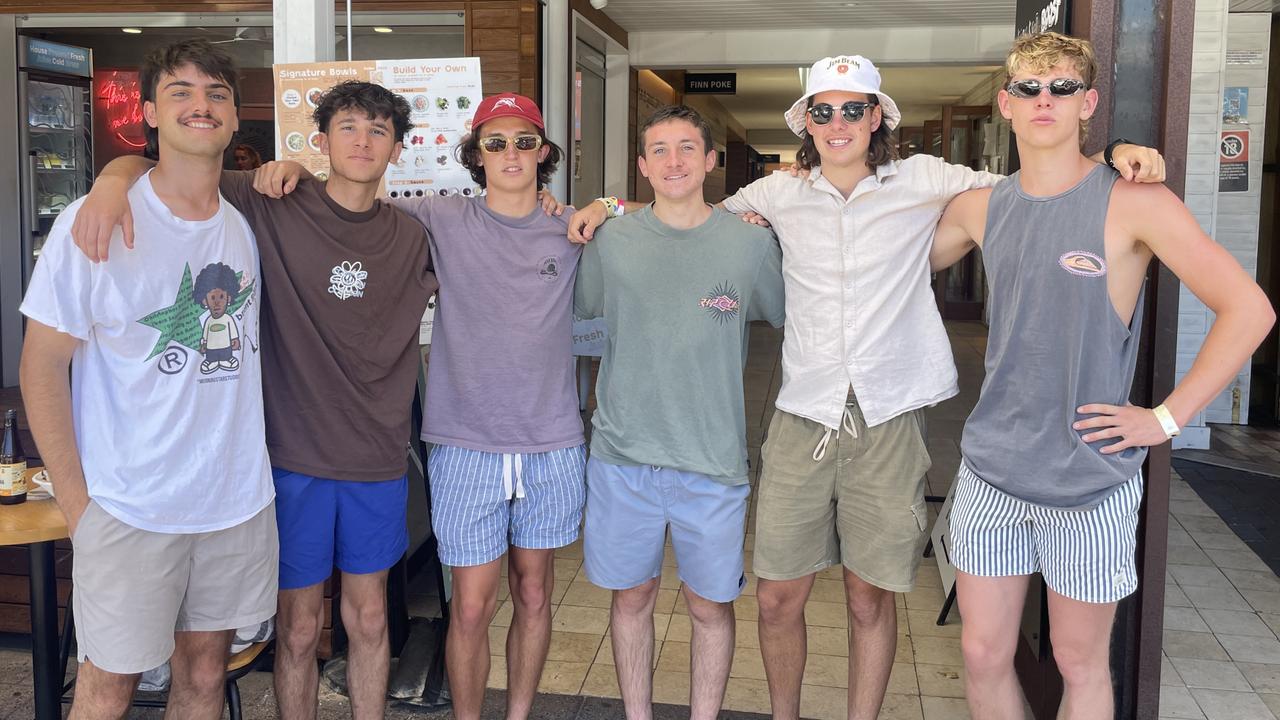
pixel 1050 480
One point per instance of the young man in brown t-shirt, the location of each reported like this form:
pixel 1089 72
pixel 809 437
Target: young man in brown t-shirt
pixel 345 283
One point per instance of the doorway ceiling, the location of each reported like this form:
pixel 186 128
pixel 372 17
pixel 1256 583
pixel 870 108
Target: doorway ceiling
pixel 683 15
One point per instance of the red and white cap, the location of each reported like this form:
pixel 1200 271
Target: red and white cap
pixel 507 105
pixel 849 73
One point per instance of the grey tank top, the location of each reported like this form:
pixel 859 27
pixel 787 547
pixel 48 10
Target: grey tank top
pixel 1055 343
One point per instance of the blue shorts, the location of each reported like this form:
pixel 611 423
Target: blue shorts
pixel 628 510
pixel 483 502
pixel 358 526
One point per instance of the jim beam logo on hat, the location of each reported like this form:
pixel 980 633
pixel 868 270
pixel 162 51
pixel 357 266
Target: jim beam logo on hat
pixel 841 64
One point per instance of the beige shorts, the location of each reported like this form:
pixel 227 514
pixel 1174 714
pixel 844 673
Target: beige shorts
pixel 861 504
pixel 132 589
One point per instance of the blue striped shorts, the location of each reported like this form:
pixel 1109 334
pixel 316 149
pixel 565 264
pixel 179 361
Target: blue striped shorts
pixel 1085 555
pixel 483 502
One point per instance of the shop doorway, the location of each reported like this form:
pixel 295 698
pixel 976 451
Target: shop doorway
pixel 588 124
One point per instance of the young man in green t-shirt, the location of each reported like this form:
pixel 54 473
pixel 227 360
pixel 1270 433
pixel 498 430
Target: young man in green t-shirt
pixel 676 283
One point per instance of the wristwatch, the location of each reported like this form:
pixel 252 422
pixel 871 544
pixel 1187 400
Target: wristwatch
pixel 1108 154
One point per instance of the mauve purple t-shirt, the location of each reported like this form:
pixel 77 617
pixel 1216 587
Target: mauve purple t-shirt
pixel 501 373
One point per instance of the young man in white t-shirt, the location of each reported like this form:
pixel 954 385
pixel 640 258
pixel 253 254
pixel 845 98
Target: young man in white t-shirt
pixel 159 466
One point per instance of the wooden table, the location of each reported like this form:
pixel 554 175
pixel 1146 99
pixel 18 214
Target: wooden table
pixel 37 524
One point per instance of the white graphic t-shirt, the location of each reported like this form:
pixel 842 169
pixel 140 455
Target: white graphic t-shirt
pixel 166 445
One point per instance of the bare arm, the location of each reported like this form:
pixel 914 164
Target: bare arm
pixel 1163 226
pixel 107 206
pixel 46 392
pixel 960 228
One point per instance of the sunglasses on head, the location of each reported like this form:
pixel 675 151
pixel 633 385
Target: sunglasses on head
pixel 498 143
pixel 1062 87
pixel 852 111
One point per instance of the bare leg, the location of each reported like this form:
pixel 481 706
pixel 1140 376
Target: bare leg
pixel 530 574
pixel 297 675
pixel 992 610
pixel 199 667
pixel 364 615
pixel 1081 636
pixel 873 641
pixel 783 642
pixel 710 654
pixel 101 695
pixel 475 599
pixel 631 619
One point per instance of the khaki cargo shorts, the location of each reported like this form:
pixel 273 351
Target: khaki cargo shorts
pixel 134 588
pixel 860 503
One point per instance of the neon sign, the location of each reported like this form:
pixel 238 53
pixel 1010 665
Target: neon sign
pixel 119 102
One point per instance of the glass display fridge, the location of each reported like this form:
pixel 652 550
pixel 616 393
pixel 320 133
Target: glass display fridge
pixel 55 107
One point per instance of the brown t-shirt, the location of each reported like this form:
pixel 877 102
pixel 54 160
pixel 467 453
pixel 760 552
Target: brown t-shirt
pixel 342 297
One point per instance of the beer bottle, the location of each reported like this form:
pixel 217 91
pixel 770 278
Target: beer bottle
pixel 13 463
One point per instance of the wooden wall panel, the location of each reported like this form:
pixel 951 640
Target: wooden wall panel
pixel 503 33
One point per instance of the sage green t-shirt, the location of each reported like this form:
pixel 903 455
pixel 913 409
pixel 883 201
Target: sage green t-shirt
pixel 677 304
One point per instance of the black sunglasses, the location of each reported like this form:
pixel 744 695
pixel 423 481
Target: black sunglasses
pixel 497 143
pixel 852 111
pixel 1062 87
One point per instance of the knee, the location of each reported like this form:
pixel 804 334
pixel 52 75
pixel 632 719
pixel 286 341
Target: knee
pixel 530 594
pixel 473 615
pixel 207 679
pixel 298 634
pixel 365 622
pixel 985 655
pixel 101 690
pixel 872 607
pixel 636 601
pixel 706 612
pixel 778 604
pixel 1078 664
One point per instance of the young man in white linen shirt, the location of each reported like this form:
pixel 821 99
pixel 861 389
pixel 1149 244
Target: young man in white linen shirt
pixel 864 353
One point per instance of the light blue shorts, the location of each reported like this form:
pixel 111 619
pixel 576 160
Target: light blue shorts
pixel 483 502
pixel 629 508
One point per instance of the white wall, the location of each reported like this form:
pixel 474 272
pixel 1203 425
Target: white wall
pixel 1230 218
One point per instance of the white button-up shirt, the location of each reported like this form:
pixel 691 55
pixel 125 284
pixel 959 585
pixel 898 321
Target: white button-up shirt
pixel 860 312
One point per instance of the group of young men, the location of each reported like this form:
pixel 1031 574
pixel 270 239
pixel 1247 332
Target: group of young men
pixel 241 383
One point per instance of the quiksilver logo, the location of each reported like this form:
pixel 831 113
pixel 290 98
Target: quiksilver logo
pixel 1083 263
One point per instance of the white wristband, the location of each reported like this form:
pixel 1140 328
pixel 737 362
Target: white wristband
pixel 1167 423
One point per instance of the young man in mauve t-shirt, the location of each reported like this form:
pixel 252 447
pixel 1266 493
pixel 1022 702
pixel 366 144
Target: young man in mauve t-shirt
pixel 154 440
pixel 345 284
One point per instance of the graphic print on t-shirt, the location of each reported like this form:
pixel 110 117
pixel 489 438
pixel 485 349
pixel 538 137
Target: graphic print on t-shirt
pixel 203 318
pixel 721 303
pixel 347 280
pixel 549 268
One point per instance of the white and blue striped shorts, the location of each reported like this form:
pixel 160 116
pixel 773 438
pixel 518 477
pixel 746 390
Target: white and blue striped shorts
pixel 483 502
pixel 1086 555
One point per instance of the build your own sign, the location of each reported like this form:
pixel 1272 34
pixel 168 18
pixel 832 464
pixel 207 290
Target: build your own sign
pixel 442 94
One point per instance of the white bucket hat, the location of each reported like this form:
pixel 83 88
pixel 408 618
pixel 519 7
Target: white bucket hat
pixel 847 73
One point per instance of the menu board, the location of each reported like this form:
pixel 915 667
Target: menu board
pixel 442 96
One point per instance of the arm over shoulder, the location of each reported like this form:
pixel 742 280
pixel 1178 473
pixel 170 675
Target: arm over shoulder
pixel 960 229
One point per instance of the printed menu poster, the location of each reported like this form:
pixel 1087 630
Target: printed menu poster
pixel 442 96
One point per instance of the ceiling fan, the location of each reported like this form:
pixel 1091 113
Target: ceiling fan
pixel 248 34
